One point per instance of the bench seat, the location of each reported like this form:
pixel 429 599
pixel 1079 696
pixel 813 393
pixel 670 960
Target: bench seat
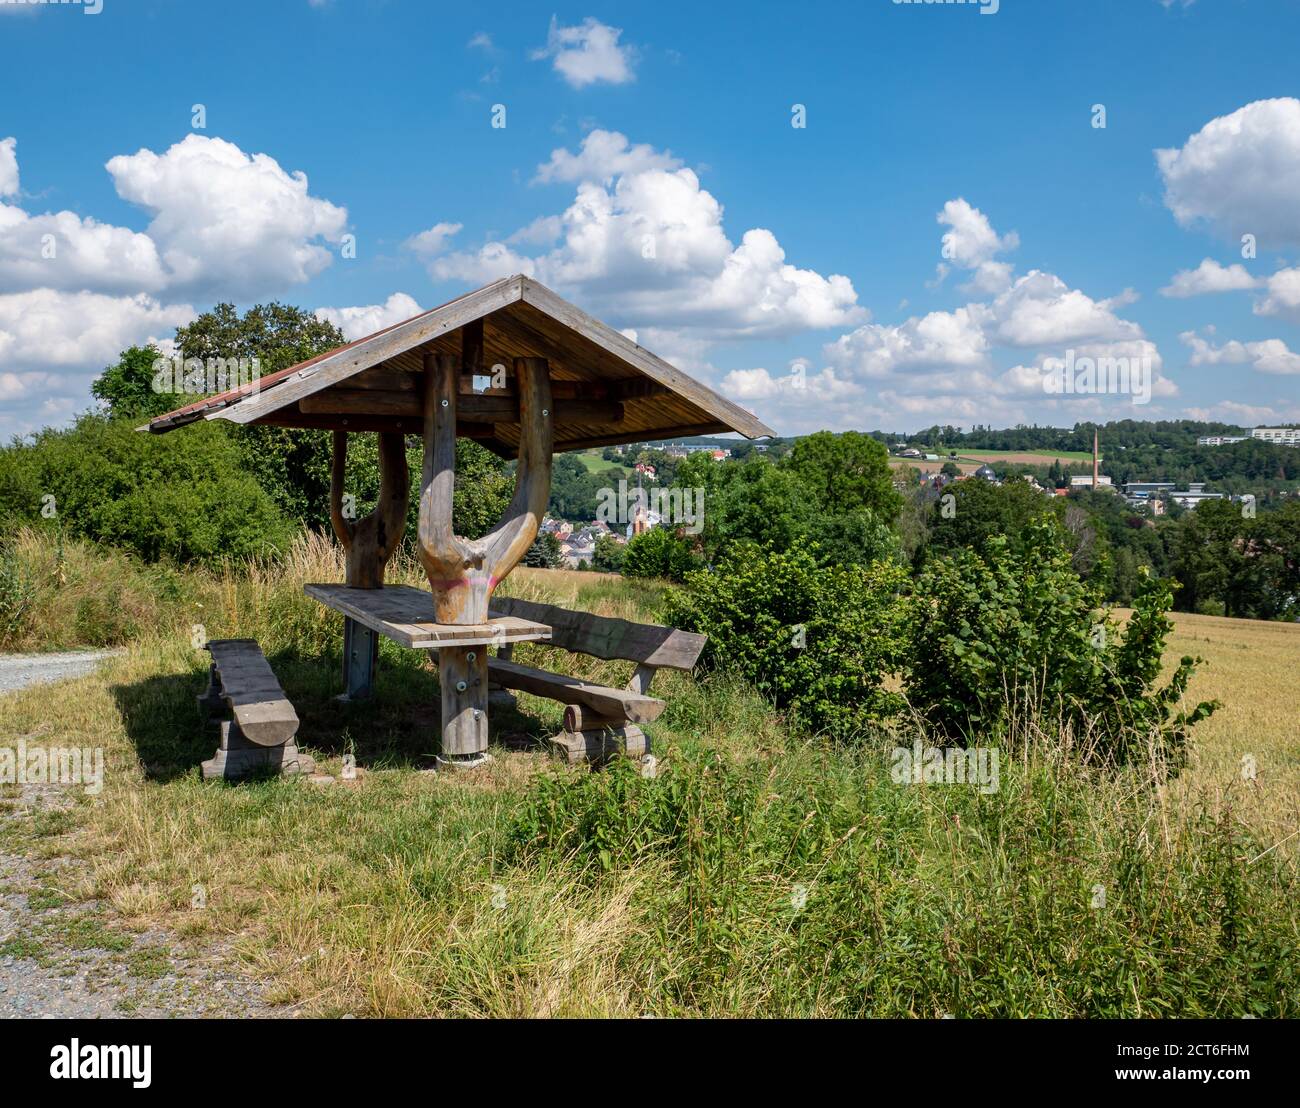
pixel 604 701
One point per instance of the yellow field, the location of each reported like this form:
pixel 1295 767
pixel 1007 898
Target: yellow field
pixel 1253 668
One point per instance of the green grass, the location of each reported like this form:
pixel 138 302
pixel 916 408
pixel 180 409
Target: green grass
pixel 594 463
pixel 758 873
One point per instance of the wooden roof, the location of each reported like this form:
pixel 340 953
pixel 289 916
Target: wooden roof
pixel 606 388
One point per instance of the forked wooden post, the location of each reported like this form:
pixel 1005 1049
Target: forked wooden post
pixel 463 572
pixel 368 544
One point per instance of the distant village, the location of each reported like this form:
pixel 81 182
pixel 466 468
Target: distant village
pixel 1153 496
pixel 577 542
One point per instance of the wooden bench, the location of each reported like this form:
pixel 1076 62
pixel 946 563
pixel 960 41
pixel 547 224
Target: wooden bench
pixel 599 721
pixel 260 733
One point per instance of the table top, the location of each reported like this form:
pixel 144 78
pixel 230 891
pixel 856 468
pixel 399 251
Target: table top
pixel 405 615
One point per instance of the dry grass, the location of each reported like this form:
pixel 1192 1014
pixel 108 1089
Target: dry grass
pixel 1252 669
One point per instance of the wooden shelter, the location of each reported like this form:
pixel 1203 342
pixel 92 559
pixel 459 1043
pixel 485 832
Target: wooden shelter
pixel 512 366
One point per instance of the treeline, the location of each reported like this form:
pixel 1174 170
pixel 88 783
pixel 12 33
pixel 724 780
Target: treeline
pixel 1127 433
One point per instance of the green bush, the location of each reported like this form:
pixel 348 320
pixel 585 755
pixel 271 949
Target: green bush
pixel 659 552
pixel 608 555
pixel 1004 634
pixel 816 640
pixel 182 496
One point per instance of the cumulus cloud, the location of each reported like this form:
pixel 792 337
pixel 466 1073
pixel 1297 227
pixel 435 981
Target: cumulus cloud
pixel 1267 356
pixel 1244 415
pixel 54 343
pixel 47 328
pixel 1042 310
pixel 75 291
pixel 603 156
pixel 8 167
pixel 935 341
pixel 973 244
pixel 358 322
pixel 228 221
pixel 1282 297
pixel 587 54
pixel 434 240
pixel 941 367
pixel 759 384
pixel 1240 174
pixel 64 251
pixel 1209 277
pixel 642 240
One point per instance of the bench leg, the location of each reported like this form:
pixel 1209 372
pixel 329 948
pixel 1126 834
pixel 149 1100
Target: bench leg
pixel 236 757
pixel 210 699
pixel 463 676
pixel 599 745
pixel 360 655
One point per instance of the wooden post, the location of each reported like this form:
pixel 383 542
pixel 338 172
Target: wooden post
pixel 463 677
pixel 368 544
pixel 462 572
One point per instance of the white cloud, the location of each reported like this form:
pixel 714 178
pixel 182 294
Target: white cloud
pixel 941 367
pixel 1268 356
pixel 1240 174
pixel 482 40
pixel 1244 415
pixel 8 167
pixel 604 155
pixel 488 263
pixel 588 53
pixel 643 241
pixel 358 322
pixel 973 244
pixel 1041 310
pixel 228 221
pixel 47 329
pixel 1209 277
pixel 64 251
pixel 1283 296
pixel 936 341
pixel 53 344
pixel 74 292
pixel 542 231
pixel 797 385
pixel 433 241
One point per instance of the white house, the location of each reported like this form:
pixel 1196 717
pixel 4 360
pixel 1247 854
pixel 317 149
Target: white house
pixel 1281 436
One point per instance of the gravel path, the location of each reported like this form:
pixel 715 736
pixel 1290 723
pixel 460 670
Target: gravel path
pixel 62 958
pixel 19 670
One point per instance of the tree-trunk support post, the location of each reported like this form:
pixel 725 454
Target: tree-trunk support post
pixel 368 544
pixel 462 573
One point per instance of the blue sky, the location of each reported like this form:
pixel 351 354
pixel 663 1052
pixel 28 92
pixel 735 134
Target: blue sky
pixel 648 169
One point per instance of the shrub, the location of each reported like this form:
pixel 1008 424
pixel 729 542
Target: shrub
pixel 817 640
pixel 182 496
pixel 1004 633
pixel 608 555
pixel 659 552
